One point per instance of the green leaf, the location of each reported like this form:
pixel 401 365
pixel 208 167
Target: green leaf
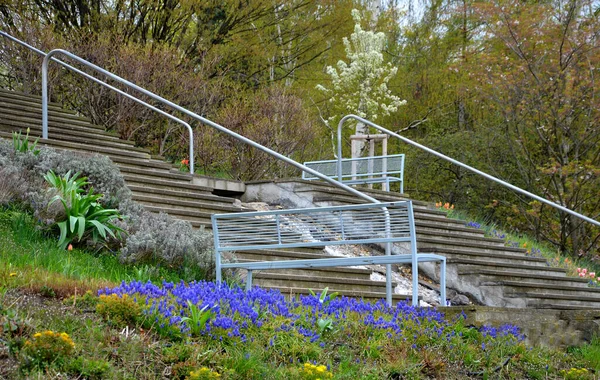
pixel 81 227
pixel 63 233
pixel 73 223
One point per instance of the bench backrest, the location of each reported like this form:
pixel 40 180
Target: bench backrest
pixel 360 168
pixel 313 227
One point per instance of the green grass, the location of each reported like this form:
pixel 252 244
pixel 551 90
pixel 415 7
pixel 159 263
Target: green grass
pixel 42 288
pixel 23 246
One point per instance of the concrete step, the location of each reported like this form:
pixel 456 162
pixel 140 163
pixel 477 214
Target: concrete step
pixel 544 300
pixel 32 115
pixel 161 174
pixel 326 188
pixel 433 244
pixel 147 164
pixel 315 282
pixel 367 296
pixel 515 287
pixel 492 277
pixel 467 239
pixel 60 130
pixel 77 137
pixel 475 267
pixel 182 214
pixel 89 148
pixel 449 230
pixel 155 183
pixel 176 195
pixel 186 205
pixel 471 255
pixel 33 100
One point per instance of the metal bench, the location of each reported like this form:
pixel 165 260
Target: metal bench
pixel 364 170
pixel 373 223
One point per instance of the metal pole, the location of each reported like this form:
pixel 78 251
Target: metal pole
pixel 465 166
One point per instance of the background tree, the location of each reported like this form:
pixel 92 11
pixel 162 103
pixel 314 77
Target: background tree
pixel 359 86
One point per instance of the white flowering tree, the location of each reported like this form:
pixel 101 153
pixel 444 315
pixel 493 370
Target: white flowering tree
pixel 359 86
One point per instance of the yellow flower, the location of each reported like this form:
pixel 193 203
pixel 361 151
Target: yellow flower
pixel 37 335
pixel 12 274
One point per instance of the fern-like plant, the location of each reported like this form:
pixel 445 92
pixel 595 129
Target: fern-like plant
pixel 85 216
pixel 22 145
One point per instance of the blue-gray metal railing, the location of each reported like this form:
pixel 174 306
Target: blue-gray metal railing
pixel 387 223
pixel 455 162
pixel 96 80
pixel 375 169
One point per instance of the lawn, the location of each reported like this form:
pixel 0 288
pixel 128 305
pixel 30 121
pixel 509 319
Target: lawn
pixel 78 314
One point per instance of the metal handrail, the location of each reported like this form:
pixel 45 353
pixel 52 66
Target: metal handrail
pixel 355 173
pixel 237 136
pixel 465 166
pixel 96 80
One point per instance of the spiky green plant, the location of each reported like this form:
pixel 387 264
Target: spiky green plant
pixel 85 216
pixel 22 145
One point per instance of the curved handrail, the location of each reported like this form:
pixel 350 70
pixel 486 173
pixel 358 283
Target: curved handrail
pixel 49 56
pixel 131 97
pixel 440 155
pixel 217 127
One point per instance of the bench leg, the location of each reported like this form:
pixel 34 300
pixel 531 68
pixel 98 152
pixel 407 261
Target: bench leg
pixel 388 276
pixel 218 267
pixel 443 283
pixel 415 281
pixel 249 280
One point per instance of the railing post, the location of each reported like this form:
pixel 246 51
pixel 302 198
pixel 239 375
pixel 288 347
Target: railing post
pixel 217 250
pixel 45 98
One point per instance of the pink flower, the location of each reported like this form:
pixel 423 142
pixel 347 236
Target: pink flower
pixel 578 270
pixel 592 274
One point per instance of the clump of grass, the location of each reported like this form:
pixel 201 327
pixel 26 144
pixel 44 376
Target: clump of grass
pixel 24 248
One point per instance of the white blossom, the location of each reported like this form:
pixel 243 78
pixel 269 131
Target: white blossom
pixel 359 86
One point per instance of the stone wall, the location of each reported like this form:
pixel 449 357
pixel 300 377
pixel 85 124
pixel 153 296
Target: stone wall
pixel 551 328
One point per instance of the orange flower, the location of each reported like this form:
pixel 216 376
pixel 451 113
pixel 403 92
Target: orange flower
pixel 70 247
pixel 185 162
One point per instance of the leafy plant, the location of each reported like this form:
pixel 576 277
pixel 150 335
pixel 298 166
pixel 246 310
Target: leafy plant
pixel 324 325
pixel 22 145
pixel 85 216
pixel 323 296
pixel 198 318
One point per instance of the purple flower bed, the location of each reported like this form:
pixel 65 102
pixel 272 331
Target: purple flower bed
pixel 235 314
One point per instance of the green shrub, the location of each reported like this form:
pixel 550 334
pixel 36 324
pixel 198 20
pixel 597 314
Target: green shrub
pixel 163 239
pixel 47 347
pixel 120 310
pixel 89 368
pixel 85 216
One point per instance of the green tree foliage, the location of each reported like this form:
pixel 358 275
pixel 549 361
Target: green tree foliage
pixel 360 85
pixel 508 87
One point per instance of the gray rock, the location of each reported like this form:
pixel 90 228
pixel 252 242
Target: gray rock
pixel 459 299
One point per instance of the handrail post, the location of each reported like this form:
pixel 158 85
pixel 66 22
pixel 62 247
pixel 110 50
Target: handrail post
pixel 45 98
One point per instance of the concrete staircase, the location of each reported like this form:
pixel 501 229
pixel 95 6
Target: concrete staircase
pixel 483 267
pixel 479 266
pixel 162 188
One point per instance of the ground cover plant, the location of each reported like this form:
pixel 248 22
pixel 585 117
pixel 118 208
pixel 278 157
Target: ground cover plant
pixel 155 325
